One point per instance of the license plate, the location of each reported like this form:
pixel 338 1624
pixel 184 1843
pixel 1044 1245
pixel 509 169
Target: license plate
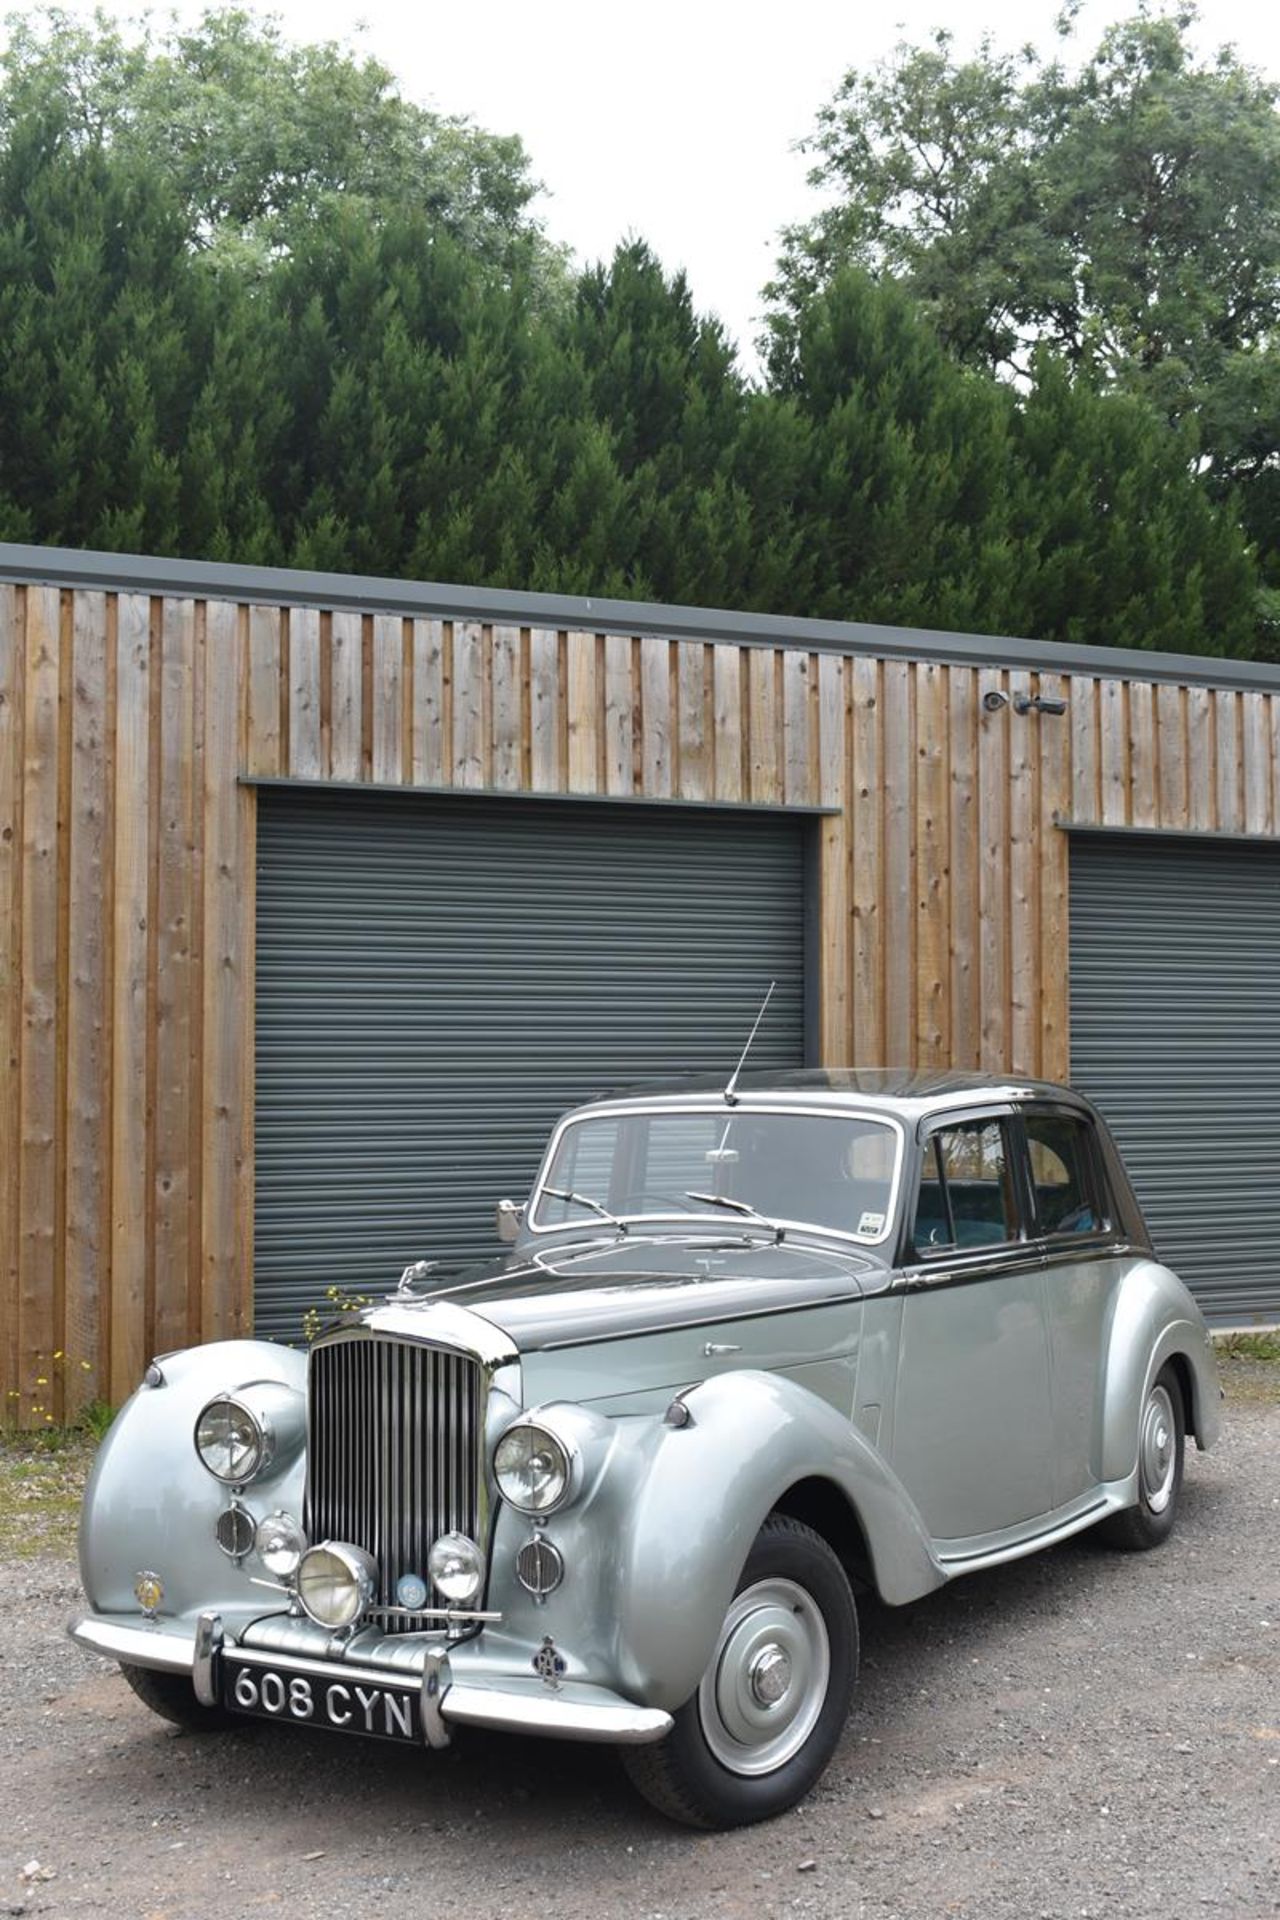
pixel 355 1703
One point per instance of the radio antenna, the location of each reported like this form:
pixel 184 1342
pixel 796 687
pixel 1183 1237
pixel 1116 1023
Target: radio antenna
pixel 730 1097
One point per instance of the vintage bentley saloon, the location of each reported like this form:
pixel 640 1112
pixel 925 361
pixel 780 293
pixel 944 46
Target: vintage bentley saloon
pixel 754 1351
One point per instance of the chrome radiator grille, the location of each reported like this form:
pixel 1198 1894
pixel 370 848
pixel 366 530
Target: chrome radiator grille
pixel 395 1453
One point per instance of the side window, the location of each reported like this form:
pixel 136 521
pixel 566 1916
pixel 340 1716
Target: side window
pixel 966 1189
pixel 1062 1173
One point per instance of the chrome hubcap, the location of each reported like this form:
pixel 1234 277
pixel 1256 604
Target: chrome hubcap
pixel 770 1676
pixel 1158 1454
pixel 764 1689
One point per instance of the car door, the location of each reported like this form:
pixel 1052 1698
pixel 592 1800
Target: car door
pixel 1083 1266
pixel 972 1431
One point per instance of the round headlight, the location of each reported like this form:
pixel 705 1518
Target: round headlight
pixel 336 1583
pixel 532 1468
pixel 456 1567
pixel 281 1544
pixel 230 1441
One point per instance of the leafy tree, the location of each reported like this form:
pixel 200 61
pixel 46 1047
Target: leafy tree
pixel 1123 213
pixel 260 138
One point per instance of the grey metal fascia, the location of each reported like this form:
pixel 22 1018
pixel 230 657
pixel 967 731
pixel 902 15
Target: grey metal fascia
pixel 284 586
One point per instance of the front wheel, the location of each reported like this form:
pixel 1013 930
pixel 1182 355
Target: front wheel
pixel 1161 1446
pixel 172 1696
pixel 771 1706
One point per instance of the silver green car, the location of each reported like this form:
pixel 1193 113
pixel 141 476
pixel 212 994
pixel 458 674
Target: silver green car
pixel 753 1352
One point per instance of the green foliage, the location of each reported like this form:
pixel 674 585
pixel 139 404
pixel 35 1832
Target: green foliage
pixel 1122 212
pixel 335 340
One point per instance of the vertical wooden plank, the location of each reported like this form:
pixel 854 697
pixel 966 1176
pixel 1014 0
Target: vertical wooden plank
pixel 655 714
pixel 468 704
pixel 694 731
pixel 225 984
pixel 1173 807
pixel 38 1058
pixel 1143 807
pixel 865 805
pixel 175 971
pixel 726 669
pixel 1113 729
pixel 933 868
pixel 1086 800
pixel 304 694
pixel 544 710
pixel 1024 887
pixel 129 1005
pixel 346 674
pixel 619 715
pixel 1275 764
pixel 583 703
pixel 798 745
pixel 993 873
pixel 1054 869
pixel 966 1012
pixel 1228 788
pixel 507 707
pixel 898 772
pixel 262 749
pixel 12 624
pixel 1257 762
pixel 1200 759
pixel 766 725
pixel 835 1028
pixel 388 699
pixel 429 749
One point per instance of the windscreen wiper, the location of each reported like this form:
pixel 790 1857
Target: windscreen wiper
pixel 585 1200
pixel 739 1206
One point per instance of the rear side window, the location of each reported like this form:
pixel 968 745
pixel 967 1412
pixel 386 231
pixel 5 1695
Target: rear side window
pixel 966 1190
pixel 1063 1173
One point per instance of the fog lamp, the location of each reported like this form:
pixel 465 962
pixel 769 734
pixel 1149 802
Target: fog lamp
pixel 456 1567
pixel 336 1583
pixel 532 1468
pixel 281 1544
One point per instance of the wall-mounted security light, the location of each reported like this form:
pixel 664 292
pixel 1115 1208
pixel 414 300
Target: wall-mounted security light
pixel 993 700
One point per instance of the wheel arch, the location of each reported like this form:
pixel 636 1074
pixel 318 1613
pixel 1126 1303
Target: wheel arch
pixel 827 1508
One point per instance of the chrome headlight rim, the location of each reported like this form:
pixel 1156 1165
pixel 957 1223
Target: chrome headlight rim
pixel 281 1560
pixel 264 1441
pixel 464 1547
pixel 570 1465
pixel 362 1577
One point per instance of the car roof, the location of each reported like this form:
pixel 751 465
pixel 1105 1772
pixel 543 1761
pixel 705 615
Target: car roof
pixel 908 1092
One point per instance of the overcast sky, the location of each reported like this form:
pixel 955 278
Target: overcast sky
pixel 677 119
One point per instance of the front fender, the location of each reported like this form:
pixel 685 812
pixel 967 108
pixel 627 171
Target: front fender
pixel 150 1504
pixel 688 1502
pixel 1154 1319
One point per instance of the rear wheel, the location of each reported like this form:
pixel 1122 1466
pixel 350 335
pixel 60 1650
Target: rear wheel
pixel 772 1704
pixel 1161 1446
pixel 172 1696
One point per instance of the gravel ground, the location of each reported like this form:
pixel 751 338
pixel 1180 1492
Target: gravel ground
pixel 1080 1734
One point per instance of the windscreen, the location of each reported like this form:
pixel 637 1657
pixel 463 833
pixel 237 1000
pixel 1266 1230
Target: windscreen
pixel 829 1171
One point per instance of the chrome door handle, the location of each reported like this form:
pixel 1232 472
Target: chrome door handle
pixel 713 1349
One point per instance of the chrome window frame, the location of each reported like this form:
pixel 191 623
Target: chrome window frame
pixel 725 1217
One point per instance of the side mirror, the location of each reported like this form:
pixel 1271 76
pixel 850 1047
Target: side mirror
pixel 509 1220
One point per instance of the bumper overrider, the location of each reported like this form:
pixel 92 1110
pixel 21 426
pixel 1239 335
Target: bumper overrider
pixel 395 1685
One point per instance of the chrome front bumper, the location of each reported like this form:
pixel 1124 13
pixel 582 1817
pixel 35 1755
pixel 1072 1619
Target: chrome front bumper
pixel 508 1702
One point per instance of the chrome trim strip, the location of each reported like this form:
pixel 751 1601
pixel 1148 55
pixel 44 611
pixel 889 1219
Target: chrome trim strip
pixel 163 1649
pixel 722 1319
pixel 610 1720
pixel 744 1104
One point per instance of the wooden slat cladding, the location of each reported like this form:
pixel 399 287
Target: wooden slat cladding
pixel 132 729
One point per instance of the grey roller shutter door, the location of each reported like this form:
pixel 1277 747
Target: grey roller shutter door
pixel 437 979
pixel 1175 1033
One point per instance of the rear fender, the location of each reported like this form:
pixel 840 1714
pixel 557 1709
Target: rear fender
pixel 1155 1319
